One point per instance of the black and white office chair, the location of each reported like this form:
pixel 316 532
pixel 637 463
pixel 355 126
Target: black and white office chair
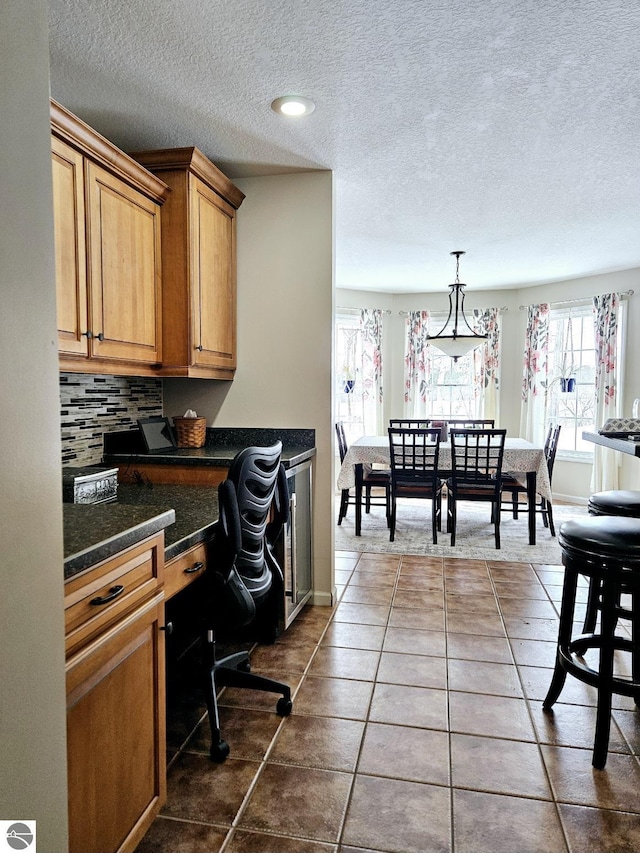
pixel 245 581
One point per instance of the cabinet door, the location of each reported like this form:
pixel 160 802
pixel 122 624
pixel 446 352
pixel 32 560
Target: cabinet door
pixel 71 268
pixel 213 311
pixel 124 263
pixel 116 734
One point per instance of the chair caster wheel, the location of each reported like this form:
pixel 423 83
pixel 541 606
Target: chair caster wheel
pixel 219 751
pixel 284 706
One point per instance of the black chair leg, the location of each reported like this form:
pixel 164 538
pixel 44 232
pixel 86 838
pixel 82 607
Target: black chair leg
pixel 344 503
pixel 567 609
pixel 605 693
pixel 549 515
pixel 514 504
pixel 234 671
pixel 434 520
pixel 392 520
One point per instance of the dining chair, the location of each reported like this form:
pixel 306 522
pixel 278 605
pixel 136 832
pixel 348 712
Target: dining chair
pixel 371 478
pixel 413 454
pixel 471 423
pixel 476 473
pixel 409 423
pixel 514 486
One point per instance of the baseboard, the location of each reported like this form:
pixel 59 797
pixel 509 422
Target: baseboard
pixel 570 499
pixel 323 599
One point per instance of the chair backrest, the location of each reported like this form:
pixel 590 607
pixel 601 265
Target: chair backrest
pixel 254 473
pixel 413 454
pixel 551 446
pixel 233 604
pixel 342 441
pixel 471 423
pixel 280 509
pixel 476 456
pixel 408 423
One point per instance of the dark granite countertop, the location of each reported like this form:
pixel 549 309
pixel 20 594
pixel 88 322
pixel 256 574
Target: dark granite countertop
pixel 221 446
pixel 187 514
pixel 95 532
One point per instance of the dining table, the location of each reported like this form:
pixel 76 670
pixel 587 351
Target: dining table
pixel 521 457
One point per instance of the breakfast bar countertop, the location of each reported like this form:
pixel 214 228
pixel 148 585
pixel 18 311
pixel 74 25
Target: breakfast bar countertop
pixel 96 532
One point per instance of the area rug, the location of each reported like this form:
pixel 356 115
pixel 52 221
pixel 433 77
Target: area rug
pixel 474 534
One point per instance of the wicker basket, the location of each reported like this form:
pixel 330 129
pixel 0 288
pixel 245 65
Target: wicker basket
pixel 190 432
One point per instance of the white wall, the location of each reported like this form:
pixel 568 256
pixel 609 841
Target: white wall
pixel 571 479
pixel 33 780
pixel 285 334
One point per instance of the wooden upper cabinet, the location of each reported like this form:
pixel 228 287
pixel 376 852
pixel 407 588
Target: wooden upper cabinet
pixel 124 267
pixel 198 264
pixel 71 271
pixel 108 253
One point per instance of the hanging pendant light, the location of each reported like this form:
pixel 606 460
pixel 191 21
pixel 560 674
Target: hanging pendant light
pixel 456 339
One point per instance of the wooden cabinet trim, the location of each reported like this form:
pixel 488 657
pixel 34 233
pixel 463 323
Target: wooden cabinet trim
pixel 74 131
pixel 195 161
pixel 183 475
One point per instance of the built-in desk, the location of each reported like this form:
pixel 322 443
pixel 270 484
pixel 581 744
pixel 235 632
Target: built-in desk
pixel 123 561
pixel 624 445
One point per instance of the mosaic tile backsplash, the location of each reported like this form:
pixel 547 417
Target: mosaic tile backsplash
pixel 91 405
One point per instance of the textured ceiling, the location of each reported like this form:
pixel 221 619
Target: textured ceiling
pixel 508 129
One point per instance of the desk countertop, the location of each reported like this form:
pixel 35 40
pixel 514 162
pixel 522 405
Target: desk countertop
pixel 221 446
pixel 92 533
pixel 187 514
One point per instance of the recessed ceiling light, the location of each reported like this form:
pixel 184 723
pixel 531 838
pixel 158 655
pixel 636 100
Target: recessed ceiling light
pixel 293 105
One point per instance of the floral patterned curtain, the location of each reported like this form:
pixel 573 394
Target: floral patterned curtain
pixel 417 365
pixel 486 362
pixel 604 475
pixel 371 325
pixel 536 374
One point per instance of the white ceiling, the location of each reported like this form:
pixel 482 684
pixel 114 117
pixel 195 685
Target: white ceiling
pixel 507 128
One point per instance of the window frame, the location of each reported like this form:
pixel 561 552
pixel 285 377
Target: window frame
pixel 582 311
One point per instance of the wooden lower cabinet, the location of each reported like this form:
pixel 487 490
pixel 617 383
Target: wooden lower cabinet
pixel 116 742
pixel 116 734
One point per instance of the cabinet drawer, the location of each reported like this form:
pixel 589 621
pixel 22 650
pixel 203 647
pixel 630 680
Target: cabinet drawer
pixel 184 569
pixel 98 597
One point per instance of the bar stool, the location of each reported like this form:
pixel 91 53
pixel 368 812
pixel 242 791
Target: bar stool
pixel 615 502
pixel 623 502
pixel 607 550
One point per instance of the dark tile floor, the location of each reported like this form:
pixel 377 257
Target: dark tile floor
pixel 417 726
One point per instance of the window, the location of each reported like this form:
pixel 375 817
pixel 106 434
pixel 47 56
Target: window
pixel 572 356
pixel 452 392
pixel 354 408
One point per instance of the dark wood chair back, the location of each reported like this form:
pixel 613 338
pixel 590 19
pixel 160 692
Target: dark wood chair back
pixel 409 423
pixel 476 457
pixel 413 454
pixel 471 423
pixel 342 441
